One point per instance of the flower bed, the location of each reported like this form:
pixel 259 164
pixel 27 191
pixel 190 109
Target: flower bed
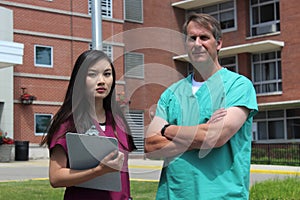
pixel 6 145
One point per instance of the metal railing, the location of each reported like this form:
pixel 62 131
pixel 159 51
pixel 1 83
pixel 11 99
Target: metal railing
pixel 276 154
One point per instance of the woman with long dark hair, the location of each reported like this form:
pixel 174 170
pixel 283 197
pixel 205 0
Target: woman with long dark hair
pixel 90 101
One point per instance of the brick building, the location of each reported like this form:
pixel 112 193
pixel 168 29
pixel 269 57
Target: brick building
pixel 144 39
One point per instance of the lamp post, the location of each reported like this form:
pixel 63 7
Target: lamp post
pixel 96 25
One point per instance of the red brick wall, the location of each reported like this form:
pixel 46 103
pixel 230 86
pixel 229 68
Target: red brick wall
pixel 65 52
pixel 157 13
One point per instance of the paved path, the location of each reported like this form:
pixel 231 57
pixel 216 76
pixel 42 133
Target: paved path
pixel 140 169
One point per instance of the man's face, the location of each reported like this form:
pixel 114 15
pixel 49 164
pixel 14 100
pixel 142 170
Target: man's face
pixel 201 45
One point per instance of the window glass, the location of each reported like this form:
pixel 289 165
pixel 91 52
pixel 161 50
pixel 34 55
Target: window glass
pixel 276 129
pixel 266 69
pixel 134 65
pixel 265 17
pixel 293 112
pixel 268 56
pixel 267 13
pixel 226 20
pixel 106 8
pixel 134 11
pixel 230 63
pixel 261 115
pixel 41 122
pixel 254 2
pixel 257 73
pixel 255 17
pixel 275 114
pixel 223 12
pixel 108 50
pixel 226 5
pixel 210 9
pixel 293 129
pixel 43 56
pixel 278 124
pixel 262 131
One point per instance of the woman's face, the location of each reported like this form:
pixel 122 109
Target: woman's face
pixel 99 79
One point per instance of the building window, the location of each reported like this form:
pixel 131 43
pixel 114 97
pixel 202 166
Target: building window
pixel 134 65
pixel 134 10
pixel 106 8
pixel 41 122
pixel 43 56
pixel 293 124
pixel 265 16
pixel 108 50
pixel 224 12
pixel 190 68
pixel 266 72
pixel 277 125
pixel 135 121
pixel 229 63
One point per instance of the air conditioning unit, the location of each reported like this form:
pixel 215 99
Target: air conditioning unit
pixel 271 28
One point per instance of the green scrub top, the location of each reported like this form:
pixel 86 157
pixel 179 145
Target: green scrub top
pixel 218 173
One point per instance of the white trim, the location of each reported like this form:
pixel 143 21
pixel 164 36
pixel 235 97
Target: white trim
pixel 188 4
pixel 49 35
pixel 57 11
pixel 51 56
pixel 53 77
pixel 255 47
pixel 11 53
pixel 280 104
pixel 39 8
pixel 269 94
pixel 45 103
pixel 64 37
pixel 42 76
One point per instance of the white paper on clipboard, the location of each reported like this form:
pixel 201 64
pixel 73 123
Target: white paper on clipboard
pixel 86 151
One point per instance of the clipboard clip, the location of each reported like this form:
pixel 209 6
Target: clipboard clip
pixel 92 131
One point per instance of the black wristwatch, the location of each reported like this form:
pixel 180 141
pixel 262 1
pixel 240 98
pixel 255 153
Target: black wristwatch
pixel 162 131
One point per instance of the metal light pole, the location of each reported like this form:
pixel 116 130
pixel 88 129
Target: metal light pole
pixel 96 25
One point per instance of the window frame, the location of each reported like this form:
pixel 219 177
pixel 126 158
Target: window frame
pixel 262 65
pixel 135 119
pixel 35 56
pixel 108 50
pixel 35 122
pixel 134 20
pixel 218 13
pixel 129 75
pixel 273 25
pixel 232 65
pixel 267 120
pixel 110 9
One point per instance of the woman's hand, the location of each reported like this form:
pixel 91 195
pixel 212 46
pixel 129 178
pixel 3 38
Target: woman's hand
pixel 113 162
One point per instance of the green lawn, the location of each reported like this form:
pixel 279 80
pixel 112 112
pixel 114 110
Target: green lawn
pixel 286 189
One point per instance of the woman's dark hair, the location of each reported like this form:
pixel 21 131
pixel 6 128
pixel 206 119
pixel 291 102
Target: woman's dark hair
pixel 77 103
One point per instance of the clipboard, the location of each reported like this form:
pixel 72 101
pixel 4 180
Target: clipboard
pixel 86 151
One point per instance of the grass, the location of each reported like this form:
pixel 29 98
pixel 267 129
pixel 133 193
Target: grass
pixel 29 190
pixel 278 189
pixel 141 190
pixel 285 189
pixel 41 189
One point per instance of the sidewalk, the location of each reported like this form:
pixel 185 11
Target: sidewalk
pixel 157 164
pixel 140 169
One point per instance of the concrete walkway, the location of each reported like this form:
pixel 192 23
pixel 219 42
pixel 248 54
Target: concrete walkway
pixel 139 169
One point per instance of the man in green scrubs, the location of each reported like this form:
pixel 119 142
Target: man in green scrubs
pixel 203 124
